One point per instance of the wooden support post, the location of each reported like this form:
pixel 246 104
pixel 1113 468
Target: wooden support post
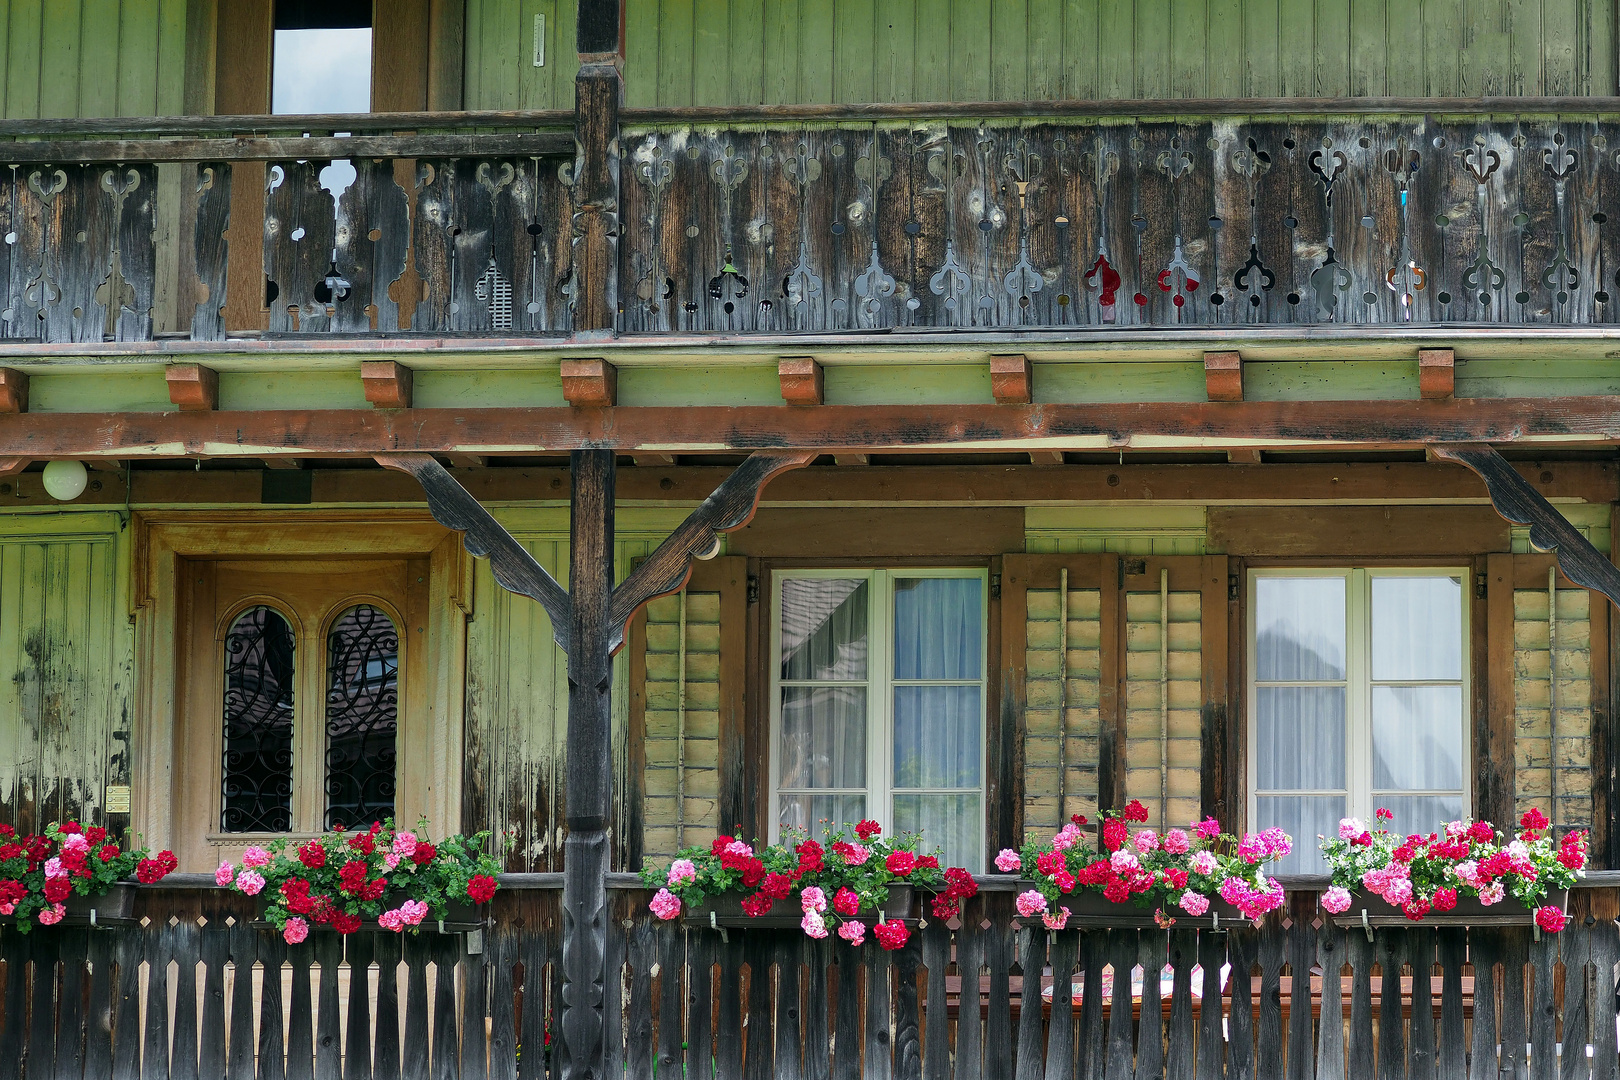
pixel 590 768
pixel 590 384
pixel 802 380
pixel 387 384
pixel 1011 379
pixel 1223 376
pixel 193 387
pixel 13 391
pixel 1437 373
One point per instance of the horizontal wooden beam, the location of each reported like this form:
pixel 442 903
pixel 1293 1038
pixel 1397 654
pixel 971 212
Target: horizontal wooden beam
pixel 13 391
pixel 1565 422
pixel 912 485
pixel 121 151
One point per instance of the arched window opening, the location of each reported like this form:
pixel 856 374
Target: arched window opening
pixel 362 716
pixel 258 766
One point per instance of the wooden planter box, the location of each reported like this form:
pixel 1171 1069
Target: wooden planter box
pixel 458 918
pixel 1092 910
pixel 116 905
pixel 1468 912
pixel 727 912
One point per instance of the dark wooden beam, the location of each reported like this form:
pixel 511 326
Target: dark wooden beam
pixel 586 855
pixel 698 537
pixel 514 568
pixel 861 428
pixel 1518 501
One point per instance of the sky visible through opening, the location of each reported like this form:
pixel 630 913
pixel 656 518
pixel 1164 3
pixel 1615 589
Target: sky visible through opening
pixel 323 71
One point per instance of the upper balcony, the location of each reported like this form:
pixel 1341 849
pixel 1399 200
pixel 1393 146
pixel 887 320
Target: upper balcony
pixel 1070 221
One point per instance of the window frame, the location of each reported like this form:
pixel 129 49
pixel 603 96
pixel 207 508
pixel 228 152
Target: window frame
pixel 880 683
pixel 1360 798
pixel 310 739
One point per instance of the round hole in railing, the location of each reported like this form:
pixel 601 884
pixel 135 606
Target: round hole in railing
pixel 1442 220
pixel 1254 300
pixel 691 230
pixel 1293 298
pixel 1521 297
pixel 1484 299
pixel 838 227
pixel 374 235
pixel 1521 219
pixel 1288 144
pixel 1063 299
pixel 1599 218
pixel 1364 142
pixel 1290 222
pixel 298 233
pixel 535 228
pixel 1369 297
pixel 1444 297
pixel 1215 223
pixel 1217 299
pixel 913 228
pixel 1601 297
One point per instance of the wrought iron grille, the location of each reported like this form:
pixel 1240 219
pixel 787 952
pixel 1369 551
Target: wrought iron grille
pixel 258 768
pixel 362 716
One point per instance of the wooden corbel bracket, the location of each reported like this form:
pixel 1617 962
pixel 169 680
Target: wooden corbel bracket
pixel 666 570
pixel 1517 500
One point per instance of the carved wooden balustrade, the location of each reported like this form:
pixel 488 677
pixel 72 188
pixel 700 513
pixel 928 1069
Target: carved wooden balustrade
pixel 776 221
pixel 196 989
pixel 465 231
pixel 1124 221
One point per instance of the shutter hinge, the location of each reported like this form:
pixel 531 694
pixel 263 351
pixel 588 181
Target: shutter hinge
pixel 995 586
pixel 753 588
pixel 1479 586
pixel 1231 586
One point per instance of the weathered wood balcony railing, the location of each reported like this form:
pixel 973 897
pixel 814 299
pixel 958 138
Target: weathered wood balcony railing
pixel 788 220
pixel 196 990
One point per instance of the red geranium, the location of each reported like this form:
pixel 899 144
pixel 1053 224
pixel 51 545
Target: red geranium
pixel 1135 811
pixel 57 889
pixel 892 934
pixel 776 886
pixel 68 828
pixel 344 923
pixel 424 853
pixel 95 834
pixel 845 902
pixel 1551 919
pixel 108 852
pixel 1114 833
pixel 1445 899
pixel 757 905
pixel 312 855
pixel 352 876
pixel 946 906
pixel 867 829
pixel 481 888
pixel 900 863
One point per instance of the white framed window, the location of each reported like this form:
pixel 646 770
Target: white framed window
pixel 1358 692
pixel 878 703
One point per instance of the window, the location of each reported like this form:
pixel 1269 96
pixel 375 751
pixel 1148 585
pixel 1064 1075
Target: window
pixel 266 760
pixel 1358 680
pixel 322 65
pixel 878 703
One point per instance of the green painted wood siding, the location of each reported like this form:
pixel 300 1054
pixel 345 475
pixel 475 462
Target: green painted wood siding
pixel 734 52
pixel 61 58
pixel 66 668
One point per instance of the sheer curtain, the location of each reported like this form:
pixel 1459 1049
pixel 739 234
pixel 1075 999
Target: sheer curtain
pixel 825 642
pixel 938 713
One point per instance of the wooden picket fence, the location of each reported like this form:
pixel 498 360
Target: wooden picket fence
pixel 194 989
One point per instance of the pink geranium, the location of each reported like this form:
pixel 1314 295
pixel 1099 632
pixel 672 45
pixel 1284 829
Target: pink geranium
pixel 250 882
pixel 1146 841
pixel 255 857
pixel 853 931
pixel 1204 863
pixel 1056 920
pixel 813 924
pixel 1177 842
pixel 812 899
pixel 413 912
pixel 666 905
pixel 52 915
pixel 682 870
pixel 1030 904
pixel 1007 861
pixel 391 920
pixel 295 931
pixel 404 844
pixel 1336 900
pixel 223 876
pixel 1194 904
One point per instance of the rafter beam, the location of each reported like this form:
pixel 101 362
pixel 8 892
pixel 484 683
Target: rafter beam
pixel 1517 500
pixel 829 428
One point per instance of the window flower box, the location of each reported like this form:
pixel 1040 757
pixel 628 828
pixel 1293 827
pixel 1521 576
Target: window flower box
pixel 1093 911
pixel 1468 912
pixel 459 917
pixel 727 911
pixel 116 904
pixel 73 874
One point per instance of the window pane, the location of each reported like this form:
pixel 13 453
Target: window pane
pixel 258 765
pixel 1417 737
pixel 1416 628
pixel 1305 818
pixel 1299 628
pixel 823 736
pixel 362 717
pixel 937 628
pixel 807 812
pixel 936 736
pixel 952 823
pixel 1420 813
pixel 824 632
pixel 1299 737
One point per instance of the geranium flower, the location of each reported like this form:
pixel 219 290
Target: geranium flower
pixel 1056 920
pixel 1146 840
pixel 852 931
pixel 1336 900
pixel 1194 904
pixel 1492 893
pixel 1350 828
pixel 250 882
pixel 1007 861
pixel 1203 862
pixel 891 935
pixel 52 915
pixel 666 905
pixel 900 863
pixel 295 931
pixel 868 829
pixel 813 899
pixel 1135 811
pixel 1030 904
pixel 255 857
pixel 682 870
pixel 1551 919
pixel 225 874
pixel 813 924
pixel 1176 842
pixel 1209 828
pixel 846 902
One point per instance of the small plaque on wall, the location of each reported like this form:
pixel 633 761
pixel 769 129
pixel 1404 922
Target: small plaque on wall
pixel 117 801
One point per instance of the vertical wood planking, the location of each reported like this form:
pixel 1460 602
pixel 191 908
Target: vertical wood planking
pixel 969 964
pixel 700 946
pixel 789 952
pixel 846 1029
pixel 1330 954
pixel 1180 1057
pixel 1420 951
pixel 1031 962
pixel 1060 1029
pixel 1211 954
pixel 1153 954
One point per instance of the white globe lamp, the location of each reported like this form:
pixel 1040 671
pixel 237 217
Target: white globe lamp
pixel 65 480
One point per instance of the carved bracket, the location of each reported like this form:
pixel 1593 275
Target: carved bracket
pixel 665 571
pixel 1517 500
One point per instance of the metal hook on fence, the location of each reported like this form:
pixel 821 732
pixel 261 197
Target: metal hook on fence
pixel 1215 920
pixel 1366 925
pixel 714 924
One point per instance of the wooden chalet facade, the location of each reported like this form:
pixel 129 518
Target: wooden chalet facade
pixel 1209 402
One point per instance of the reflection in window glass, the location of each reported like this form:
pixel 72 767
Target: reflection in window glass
pixel 258 762
pixel 362 717
pixel 1416 628
pixel 1299 628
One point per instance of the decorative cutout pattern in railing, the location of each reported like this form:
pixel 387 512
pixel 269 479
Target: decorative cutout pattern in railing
pixel 775 1004
pixel 1224 222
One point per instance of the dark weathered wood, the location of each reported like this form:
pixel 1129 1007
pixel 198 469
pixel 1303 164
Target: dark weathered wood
pixel 328 949
pixel 1122 947
pixel 272 1060
pixel 729 508
pixel 701 946
pixel 1544 1008
pixel 788 951
pixel 1063 951
pixel 1330 954
pixel 387 950
pixel 75 946
pixel 1513 1030
pixel 1031 962
pixel 1575 950
pixel 120 151
pixel 1485 953
pixel 446 1041
pixel 1180 1057
pixel 13 1035
pixel 936 952
pixel 970 962
pixel 474 975
pixel 598 91
pixel 501 944
pixel 300 1014
pixel 244 952
pixel 999 943
pixel 98 1017
pixel 1211 1048
pixel 1389 951
pixel 1420 1043
pixel 1522 504
pixel 758 1049
pixel 1452 1060
pixel 1092 1062
pixel 818 958
pixel 729 1033
pixel 1242 949
pixel 1111 689
pixel 211 1048
pixel 43 1004
pixel 514 568
pixel 708 429
pixel 846 1030
pixel 1153 955
pixel 1271 953
pixel 877 1054
pixel 907 1017
pixel 357 953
